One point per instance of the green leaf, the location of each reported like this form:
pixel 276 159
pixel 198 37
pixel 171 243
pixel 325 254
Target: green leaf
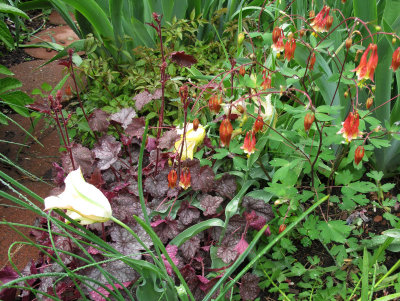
pixel 5 70
pixel 376 175
pixel 344 177
pixel 8 9
pixel 240 163
pixel 363 187
pixel 336 231
pixel 221 153
pixel 9 83
pixel 17 100
pixel 5 36
pixel 195 229
pixel 395 233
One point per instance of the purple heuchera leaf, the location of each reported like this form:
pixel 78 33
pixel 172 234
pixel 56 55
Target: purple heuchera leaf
pixel 203 179
pixel 183 59
pixel 210 203
pixel 168 139
pixel 241 246
pixel 145 97
pixel 7 274
pixel 83 157
pixel 227 251
pixel 259 206
pixel 190 247
pixel 95 296
pixel 107 151
pixel 249 289
pixel 151 144
pixel 157 186
pixel 125 243
pixel 172 250
pixel 166 229
pixel 58 174
pixel 98 120
pixel 124 117
pixel 136 127
pixel 188 214
pixel 226 186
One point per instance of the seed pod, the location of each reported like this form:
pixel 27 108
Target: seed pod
pixel 349 42
pixel 196 123
pixel 369 102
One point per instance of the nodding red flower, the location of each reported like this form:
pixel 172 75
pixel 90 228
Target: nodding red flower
pixel 172 177
pixel 311 61
pixel 249 145
pixel 290 47
pixel 350 127
pixel 266 84
pixel 395 59
pixel 359 154
pixel 185 178
pixel 225 132
pixel 319 23
pixel 258 124
pixel 366 68
pixel 277 39
pixel 308 121
pixel 214 104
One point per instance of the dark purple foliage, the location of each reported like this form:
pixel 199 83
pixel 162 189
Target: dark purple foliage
pixel 136 128
pixel 83 158
pixel 7 274
pixel 98 121
pixel 124 117
pixel 210 204
pixel 107 151
pixel 182 59
pixel 145 97
pixel 168 139
pixel 249 289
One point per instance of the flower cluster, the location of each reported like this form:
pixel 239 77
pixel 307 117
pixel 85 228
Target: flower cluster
pixel 350 129
pixel 323 21
pixel 367 67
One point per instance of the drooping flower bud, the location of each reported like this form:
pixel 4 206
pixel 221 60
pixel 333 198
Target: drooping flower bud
pixel 311 14
pixel 308 121
pixel 225 132
pixel 395 59
pixel 258 124
pixel 312 61
pixel 282 228
pixel 329 22
pixel 196 123
pixel 349 42
pixel 240 109
pixel 242 70
pixel 302 32
pixel 172 178
pixel 183 93
pixel 185 179
pixel 249 145
pixel 359 154
pixel 266 84
pixel 369 102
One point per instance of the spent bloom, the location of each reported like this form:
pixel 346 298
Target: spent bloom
pixel 249 145
pixel 277 39
pixel 367 66
pixel 192 140
pixel 395 59
pixel 258 124
pixel 350 126
pixel 214 104
pixel 322 21
pixel 83 201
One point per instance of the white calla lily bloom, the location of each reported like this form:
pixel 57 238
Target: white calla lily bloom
pixel 83 201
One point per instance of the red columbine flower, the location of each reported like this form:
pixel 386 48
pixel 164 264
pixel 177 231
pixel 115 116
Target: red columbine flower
pixel 277 39
pixel 249 145
pixel 172 177
pixel 290 47
pixel 214 104
pixel 185 178
pixel 266 84
pixel 308 121
pixel 396 59
pixel 225 132
pixel 350 127
pixel 319 22
pixel 311 62
pixel 359 154
pixel 366 68
pixel 258 124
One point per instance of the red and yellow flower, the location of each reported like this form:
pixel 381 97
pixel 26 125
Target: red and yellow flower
pixel 249 145
pixel 290 47
pixel 350 126
pixel 172 177
pixel 277 39
pixel 322 22
pixel 185 178
pixel 311 61
pixel 367 66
